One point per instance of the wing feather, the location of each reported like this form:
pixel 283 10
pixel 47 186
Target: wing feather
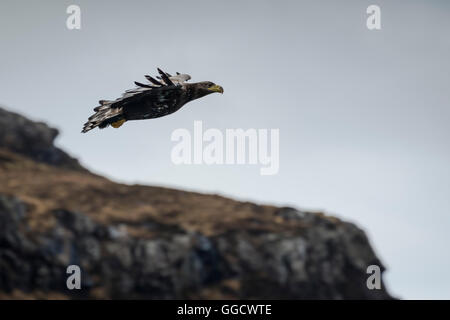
pixel 144 85
pixel 153 80
pixel 165 77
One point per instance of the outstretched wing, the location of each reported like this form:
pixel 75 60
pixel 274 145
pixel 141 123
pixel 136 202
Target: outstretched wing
pixel 165 86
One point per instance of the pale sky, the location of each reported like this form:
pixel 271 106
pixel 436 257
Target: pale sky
pixel 363 115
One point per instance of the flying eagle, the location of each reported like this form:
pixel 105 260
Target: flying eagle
pixel 160 97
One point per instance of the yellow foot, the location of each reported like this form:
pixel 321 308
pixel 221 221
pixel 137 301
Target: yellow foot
pixel 117 124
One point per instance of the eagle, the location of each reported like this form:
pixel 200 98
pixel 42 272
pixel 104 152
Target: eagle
pixel 160 97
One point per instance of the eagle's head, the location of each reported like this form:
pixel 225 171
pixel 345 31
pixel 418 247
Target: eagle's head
pixel 207 87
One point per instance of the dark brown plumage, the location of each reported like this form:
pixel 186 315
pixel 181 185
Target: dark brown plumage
pixel 159 98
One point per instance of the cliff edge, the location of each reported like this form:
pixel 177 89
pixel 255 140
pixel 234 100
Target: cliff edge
pixel 135 241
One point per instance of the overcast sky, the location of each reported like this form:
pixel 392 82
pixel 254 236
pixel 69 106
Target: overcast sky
pixel 363 115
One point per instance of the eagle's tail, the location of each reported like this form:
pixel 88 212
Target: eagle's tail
pixel 104 115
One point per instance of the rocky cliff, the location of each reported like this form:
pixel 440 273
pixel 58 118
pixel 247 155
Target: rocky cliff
pixel 33 140
pixel 134 241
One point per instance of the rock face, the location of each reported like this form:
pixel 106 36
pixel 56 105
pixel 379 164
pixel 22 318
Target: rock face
pixel 32 139
pixel 148 242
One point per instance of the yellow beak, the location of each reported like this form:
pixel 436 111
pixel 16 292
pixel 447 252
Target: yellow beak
pixel 216 88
